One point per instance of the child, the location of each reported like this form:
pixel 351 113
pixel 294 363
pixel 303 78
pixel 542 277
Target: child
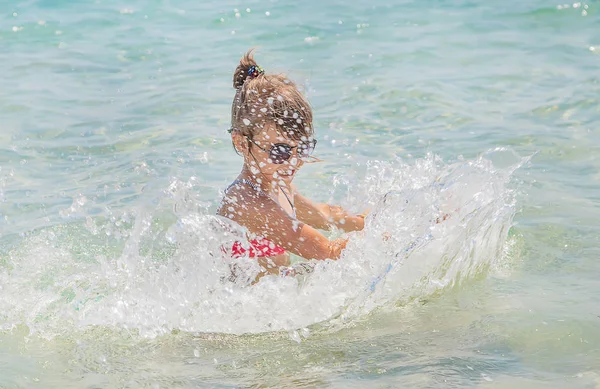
pixel 272 129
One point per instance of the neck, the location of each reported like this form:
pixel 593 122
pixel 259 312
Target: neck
pixel 266 183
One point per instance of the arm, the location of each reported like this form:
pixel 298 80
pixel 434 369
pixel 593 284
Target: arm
pixel 325 216
pixel 264 217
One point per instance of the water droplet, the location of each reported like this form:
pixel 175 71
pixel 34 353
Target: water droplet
pixel 268 13
pixel 203 158
pixel 295 336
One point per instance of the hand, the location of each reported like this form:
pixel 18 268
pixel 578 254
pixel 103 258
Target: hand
pixel 336 247
pixel 365 213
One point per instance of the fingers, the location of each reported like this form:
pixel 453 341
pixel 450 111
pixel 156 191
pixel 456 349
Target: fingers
pixel 336 247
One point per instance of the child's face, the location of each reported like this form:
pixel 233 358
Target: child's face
pixel 261 146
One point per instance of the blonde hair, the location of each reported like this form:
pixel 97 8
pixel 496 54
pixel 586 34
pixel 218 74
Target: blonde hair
pixel 261 98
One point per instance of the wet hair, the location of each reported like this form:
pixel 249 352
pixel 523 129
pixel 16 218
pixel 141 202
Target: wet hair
pixel 261 98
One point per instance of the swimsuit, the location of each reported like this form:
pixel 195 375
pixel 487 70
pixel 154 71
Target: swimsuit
pixel 259 247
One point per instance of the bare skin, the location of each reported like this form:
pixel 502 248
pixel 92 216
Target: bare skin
pixel 269 214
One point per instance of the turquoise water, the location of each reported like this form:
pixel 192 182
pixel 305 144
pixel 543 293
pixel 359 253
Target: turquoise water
pixel 114 154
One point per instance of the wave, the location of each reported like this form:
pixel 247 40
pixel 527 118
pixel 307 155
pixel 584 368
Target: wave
pixel 155 269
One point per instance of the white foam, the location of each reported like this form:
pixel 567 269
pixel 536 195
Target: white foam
pixel 155 278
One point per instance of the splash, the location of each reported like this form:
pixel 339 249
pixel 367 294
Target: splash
pixel 157 269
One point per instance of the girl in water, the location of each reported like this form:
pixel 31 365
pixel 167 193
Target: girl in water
pixel 272 129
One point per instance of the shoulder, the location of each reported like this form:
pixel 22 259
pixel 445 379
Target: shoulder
pixel 242 199
pixel 242 189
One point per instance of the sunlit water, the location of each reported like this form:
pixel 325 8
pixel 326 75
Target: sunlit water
pixel 114 155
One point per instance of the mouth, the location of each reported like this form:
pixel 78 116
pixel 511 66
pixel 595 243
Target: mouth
pixel 287 173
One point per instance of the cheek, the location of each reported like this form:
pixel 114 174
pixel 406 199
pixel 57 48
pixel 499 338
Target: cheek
pixel 294 162
pixel 265 164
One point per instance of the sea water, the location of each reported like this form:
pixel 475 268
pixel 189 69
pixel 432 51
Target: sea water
pixel 114 155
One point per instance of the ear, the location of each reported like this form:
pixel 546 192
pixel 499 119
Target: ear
pixel 239 142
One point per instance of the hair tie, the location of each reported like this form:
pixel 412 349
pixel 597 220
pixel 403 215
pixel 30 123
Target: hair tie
pixel 254 71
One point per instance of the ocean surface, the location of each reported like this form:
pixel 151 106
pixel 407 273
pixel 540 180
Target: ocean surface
pixel 114 155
